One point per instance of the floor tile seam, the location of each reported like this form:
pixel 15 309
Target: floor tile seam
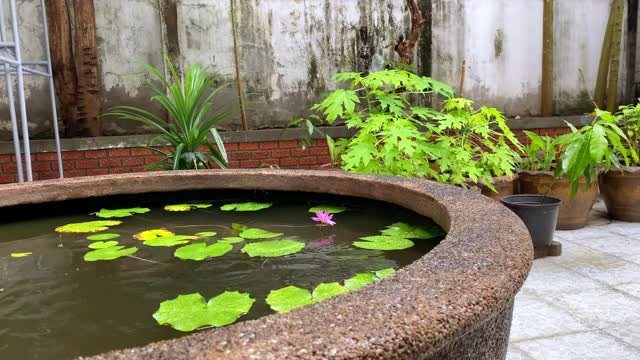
pixel 526 353
pixel 604 284
pixel 559 334
pixel 570 292
pixel 608 254
pixel 606 332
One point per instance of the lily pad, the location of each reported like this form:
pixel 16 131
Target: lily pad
pixel 152 234
pixel 407 231
pixel 328 208
pixel 273 248
pixel 21 254
pixel 109 253
pixel 190 312
pixel 169 241
pixel 325 291
pixel 120 213
pixel 248 206
pixel 258 234
pixel 186 207
pixel 88 227
pixel 201 251
pixel 207 234
pixel 289 298
pixel 102 237
pixel 384 243
pixel 231 240
pixel 384 273
pixel 360 280
pixel 102 244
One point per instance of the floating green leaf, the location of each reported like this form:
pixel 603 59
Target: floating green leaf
pixel 231 240
pixel 207 234
pixel 258 234
pixel 102 244
pixel 360 280
pixel 273 248
pixel 407 231
pixel 171 240
pixel 325 291
pixel 152 234
pixel 186 207
pixel 238 228
pixel 102 237
pixel 328 208
pixel 21 254
pixel 384 273
pixel 109 253
pixel 289 298
pixel 88 227
pixel 190 312
pixel 201 251
pixel 120 213
pixel 384 243
pixel 248 206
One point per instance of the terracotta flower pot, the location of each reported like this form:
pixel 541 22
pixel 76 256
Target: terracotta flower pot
pixel 504 185
pixel 620 189
pixel 574 213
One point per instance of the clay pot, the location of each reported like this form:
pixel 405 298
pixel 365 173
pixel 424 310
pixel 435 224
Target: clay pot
pixel 573 213
pixel 504 185
pixel 620 189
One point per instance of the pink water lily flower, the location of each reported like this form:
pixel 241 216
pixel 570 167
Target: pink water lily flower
pixel 324 218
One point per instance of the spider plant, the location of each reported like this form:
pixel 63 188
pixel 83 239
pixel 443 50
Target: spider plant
pixel 188 101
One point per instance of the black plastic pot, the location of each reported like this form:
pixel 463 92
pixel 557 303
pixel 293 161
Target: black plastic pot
pixel 538 212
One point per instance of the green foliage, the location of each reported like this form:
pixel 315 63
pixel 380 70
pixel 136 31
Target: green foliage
pixel 190 312
pixel 273 248
pixel 231 240
pixel 201 251
pixel 87 227
pixel 188 101
pixel 21 254
pixel 540 154
pixel 152 234
pixel 399 229
pixel 109 253
pixel 186 207
pixel 120 213
pixel 207 234
pixel 331 209
pixel 289 298
pixel 248 206
pixel 629 121
pixel 325 291
pixel 384 242
pixel 258 234
pixel 168 241
pixel 102 244
pixel 102 237
pixel 360 280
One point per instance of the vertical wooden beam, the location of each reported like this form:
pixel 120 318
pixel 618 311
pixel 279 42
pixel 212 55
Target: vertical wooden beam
pixel 605 61
pixel 616 37
pixel 547 59
pixel 236 54
pixel 632 40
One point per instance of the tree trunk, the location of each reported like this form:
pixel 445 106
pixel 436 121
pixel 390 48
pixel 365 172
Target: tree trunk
pixel 405 47
pixel 547 60
pixel 605 60
pixel 616 37
pixel 88 96
pixel 62 61
pixel 632 37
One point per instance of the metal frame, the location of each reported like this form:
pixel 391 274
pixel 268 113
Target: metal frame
pixel 11 63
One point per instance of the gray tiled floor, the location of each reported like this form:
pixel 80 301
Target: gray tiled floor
pixel 584 304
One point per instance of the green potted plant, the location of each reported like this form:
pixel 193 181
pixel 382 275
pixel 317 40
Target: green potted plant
pixel 620 186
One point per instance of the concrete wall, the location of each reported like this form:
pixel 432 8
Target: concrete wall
pixel 289 50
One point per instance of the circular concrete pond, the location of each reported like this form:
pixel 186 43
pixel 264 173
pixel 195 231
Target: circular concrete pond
pixel 453 303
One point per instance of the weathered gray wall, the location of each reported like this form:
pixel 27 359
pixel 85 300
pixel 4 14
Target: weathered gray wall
pixel 289 50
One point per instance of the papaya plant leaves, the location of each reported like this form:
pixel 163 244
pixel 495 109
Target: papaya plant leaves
pixel 201 251
pixel 248 206
pixel 152 234
pixel 231 240
pixel 407 231
pixel 325 291
pixel 120 213
pixel 328 208
pixel 186 207
pixel 360 280
pixel 21 254
pixel 102 244
pixel 384 242
pixel 109 253
pixel 289 298
pixel 102 237
pixel 190 312
pixel 207 234
pixel 273 248
pixel 88 227
pixel 168 241
pixel 258 234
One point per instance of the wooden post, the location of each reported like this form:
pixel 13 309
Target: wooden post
pixel 547 59
pixel 616 37
pixel 605 60
pixel 632 38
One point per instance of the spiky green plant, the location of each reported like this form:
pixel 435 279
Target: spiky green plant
pixel 188 101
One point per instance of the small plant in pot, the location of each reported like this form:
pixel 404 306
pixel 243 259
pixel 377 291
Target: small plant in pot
pixel 620 186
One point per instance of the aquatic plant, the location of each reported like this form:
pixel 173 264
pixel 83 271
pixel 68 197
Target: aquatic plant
pixel 168 241
pixel 152 234
pixel 258 234
pixel 21 254
pixel 231 240
pixel 273 248
pixel 248 206
pixel 88 227
pixel 120 213
pixel 186 207
pixel 201 251
pixel 207 234
pixel 328 208
pixel 102 237
pixel 384 242
pixel 396 236
pixel 324 218
pixel 109 253
pixel 102 244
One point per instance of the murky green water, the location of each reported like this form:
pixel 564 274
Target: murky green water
pixel 54 305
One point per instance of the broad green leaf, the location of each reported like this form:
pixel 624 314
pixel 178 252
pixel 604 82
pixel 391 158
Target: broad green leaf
pixel 168 241
pixel 360 280
pixel 328 208
pixel 384 242
pixel 201 251
pixel 289 298
pixel 119 213
pixel 258 234
pixel 407 231
pixel 325 291
pixel 21 254
pixel 88 227
pixel 273 248
pixel 238 228
pixel 102 237
pixel 248 206
pixel 190 312
pixel 109 253
pixel 231 240
pixel 207 234
pixel 381 274
pixel 152 234
pixel 102 244
pixel 186 207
